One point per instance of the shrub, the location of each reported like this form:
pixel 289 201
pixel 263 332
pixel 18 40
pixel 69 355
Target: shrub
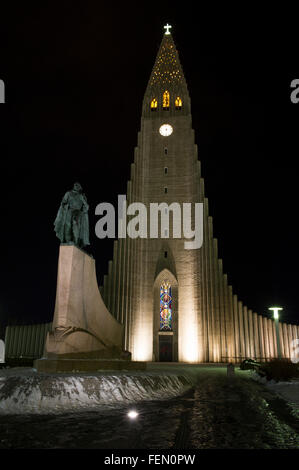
pixel 249 364
pixel 279 370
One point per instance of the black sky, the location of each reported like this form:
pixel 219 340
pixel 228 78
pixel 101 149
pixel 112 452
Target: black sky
pixel 75 76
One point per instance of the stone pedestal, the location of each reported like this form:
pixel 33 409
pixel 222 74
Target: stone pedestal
pixel 84 331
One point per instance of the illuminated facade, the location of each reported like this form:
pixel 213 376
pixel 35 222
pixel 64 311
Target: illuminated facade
pixel 176 304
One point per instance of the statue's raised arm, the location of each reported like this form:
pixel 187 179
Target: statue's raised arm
pixel 71 224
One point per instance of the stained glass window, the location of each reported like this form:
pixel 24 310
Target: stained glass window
pixel 165 307
pixel 166 99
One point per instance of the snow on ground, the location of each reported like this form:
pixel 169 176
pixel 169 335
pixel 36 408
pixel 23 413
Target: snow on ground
pixel 24 390
pixel 289 391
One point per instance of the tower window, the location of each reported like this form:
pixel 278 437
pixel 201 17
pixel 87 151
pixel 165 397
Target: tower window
pixel 165 170
pixel 178 103
pixel 154 104
pixel 165 306
pixel 165 190
pixel 166 100
pixel 165 254
pixel 165 150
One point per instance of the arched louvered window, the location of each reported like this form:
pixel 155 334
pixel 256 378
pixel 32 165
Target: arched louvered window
pixel 154 104
pixel 166 99
pixel 178 103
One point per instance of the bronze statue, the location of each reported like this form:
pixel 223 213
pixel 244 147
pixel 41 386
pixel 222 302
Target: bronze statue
pixel 71 224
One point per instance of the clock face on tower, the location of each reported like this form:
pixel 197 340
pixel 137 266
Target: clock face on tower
pixel 166 129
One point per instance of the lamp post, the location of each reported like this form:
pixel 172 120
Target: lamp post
pixel 276 319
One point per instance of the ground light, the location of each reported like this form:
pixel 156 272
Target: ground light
pixel 132 414
pixel 276 319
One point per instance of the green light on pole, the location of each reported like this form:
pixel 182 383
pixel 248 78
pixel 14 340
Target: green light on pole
pixel 276 318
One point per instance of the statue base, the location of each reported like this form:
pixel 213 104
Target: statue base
pixel 83 329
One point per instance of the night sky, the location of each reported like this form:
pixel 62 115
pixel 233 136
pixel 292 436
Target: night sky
pixel 75 76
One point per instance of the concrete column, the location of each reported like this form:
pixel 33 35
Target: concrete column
pixel 33 340
pixel 41 340
pixel 9 348
pixel 246 332
pixel 295 336
pixel 28 340
pixel 286 340
pixel 251 334
pixel 271 337
pixel 39 350
pixel 37 341
pixel 216 302
pixel 283 353
pixel 213 348
pixel 132 294
pixel 16 341
pixel 24 340
pixel 261 337
pixel 120 281
pixel 226 318
pixel 7 340
pixel 242 335
pixel 256 336
pixel 128 342
pixel 113 275
pixel 125 295
pixel 237 329
pixel 15 335
pixel 266 338
pixel 20 339
pixel 272 334
pixel 209 330
pixel 276 339
pixel 115 287
pixel 231 348
pixel 119 293
pixel 203 320
pixel 290 337
pixel 222 314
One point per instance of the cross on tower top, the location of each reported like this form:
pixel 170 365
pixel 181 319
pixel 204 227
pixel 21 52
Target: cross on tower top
pixel 167 27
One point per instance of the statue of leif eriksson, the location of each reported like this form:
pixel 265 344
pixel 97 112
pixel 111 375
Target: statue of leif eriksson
pixel 71 224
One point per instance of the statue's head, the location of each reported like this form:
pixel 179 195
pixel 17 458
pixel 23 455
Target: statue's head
pixel 77 187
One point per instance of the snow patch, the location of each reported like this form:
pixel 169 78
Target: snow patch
pixel 31 392
pixel 289 391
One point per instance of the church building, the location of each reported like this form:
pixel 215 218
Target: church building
pixel 176 303
pixel 161 300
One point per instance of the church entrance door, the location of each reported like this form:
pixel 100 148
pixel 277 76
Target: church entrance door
pixel 165 348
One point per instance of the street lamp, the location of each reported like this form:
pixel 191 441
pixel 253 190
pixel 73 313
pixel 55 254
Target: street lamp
pixel 276 319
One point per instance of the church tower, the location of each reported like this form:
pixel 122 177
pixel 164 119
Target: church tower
pixel 175 303
pixel 156 287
